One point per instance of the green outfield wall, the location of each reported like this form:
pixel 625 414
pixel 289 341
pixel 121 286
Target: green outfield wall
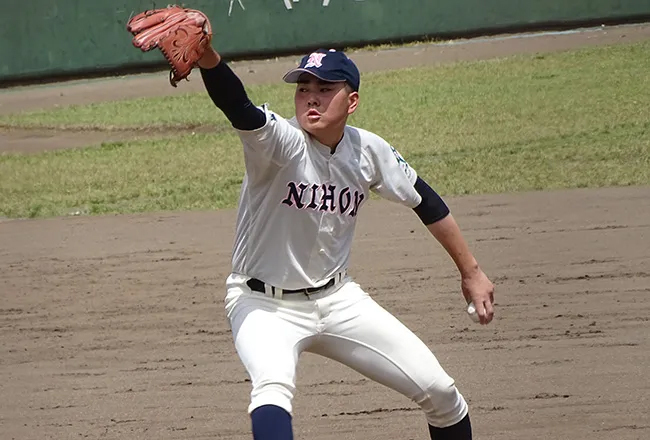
pixel 44 38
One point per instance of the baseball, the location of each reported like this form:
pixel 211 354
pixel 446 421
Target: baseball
pixel 471 311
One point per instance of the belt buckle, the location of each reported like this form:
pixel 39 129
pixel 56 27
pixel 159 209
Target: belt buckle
pixel 313 290
pixel 307 291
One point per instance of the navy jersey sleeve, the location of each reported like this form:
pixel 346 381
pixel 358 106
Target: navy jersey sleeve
pixel 228 94
pixel 432 208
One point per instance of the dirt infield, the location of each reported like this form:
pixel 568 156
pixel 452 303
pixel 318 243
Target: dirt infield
pixel 112 327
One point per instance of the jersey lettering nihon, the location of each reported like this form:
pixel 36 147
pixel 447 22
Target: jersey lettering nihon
pixel 299 203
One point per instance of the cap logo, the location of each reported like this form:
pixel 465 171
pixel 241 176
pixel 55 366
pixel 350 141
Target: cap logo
pixel 315 60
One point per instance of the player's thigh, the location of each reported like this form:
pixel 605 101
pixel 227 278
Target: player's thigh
pixel 268 336
pixel 369 339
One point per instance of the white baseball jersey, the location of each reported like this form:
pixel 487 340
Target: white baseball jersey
pixel 299 203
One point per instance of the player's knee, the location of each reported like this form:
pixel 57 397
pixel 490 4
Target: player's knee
pixel 272 393
pixel 442 403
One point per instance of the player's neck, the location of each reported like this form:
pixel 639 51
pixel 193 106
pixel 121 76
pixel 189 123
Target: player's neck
pixel 330 138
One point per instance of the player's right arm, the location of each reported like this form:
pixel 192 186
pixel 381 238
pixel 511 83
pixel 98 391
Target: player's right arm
pixel 264 133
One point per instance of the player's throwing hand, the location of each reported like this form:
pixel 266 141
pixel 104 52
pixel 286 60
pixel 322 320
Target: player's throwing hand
pixel 479 290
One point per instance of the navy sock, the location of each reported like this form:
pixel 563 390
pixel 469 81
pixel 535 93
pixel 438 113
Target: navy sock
pixel 460 431
pixel 271 422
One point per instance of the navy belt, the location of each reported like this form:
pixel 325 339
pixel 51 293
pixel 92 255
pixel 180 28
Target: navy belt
pixel 259 286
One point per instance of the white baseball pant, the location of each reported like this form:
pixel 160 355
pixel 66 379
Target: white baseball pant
pixel 342 323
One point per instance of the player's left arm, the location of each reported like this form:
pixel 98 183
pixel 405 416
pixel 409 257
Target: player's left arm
pixel 228 93
pixel 397 181
pixel 475 285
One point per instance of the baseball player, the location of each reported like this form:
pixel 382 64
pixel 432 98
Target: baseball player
pixel 289 291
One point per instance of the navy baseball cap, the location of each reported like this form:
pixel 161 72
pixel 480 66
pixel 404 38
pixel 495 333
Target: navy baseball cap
pixel 327 65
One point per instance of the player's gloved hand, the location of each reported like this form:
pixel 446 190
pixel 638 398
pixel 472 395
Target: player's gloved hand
pixel 182 35
pixel 477 288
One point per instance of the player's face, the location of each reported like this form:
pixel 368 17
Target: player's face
pixel 322 108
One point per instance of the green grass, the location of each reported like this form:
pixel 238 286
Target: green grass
pixel 185 112
pixel 564 120
pixel 184 172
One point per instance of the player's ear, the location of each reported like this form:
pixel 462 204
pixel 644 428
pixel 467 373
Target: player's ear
pixel 353 102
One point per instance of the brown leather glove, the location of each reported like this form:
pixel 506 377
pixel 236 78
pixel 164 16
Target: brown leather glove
pixel 181 34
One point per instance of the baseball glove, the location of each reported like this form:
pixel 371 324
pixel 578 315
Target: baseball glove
pixel 181 34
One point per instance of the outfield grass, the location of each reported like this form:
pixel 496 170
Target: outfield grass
pixel 574 119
